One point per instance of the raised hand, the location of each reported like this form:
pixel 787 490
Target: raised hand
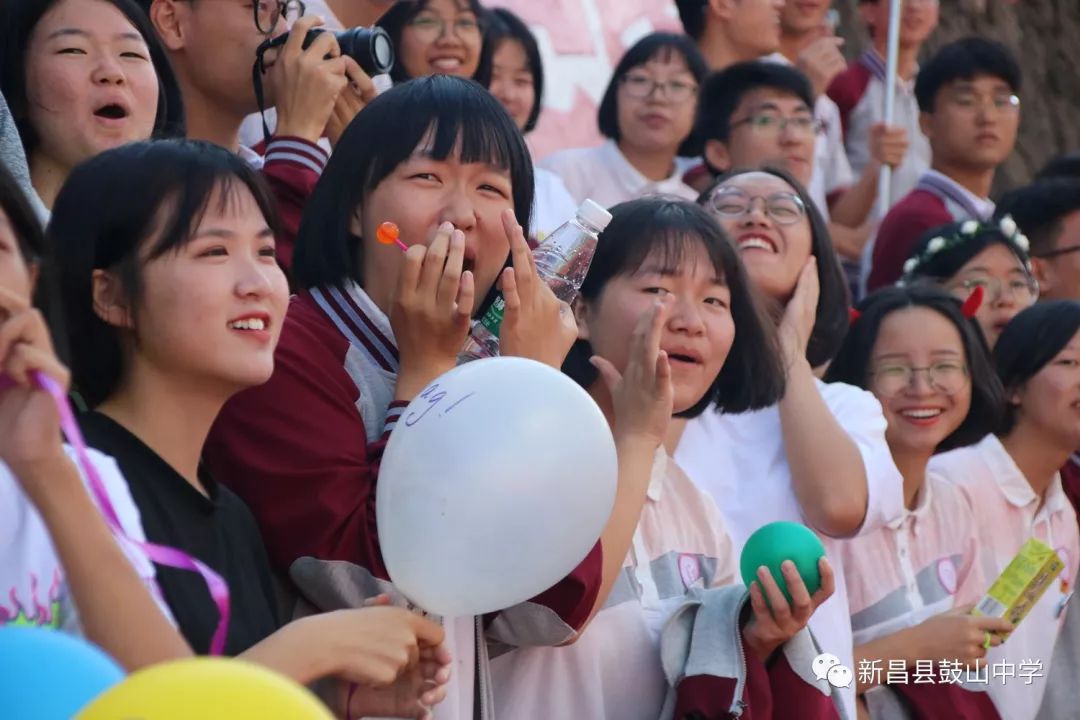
pixel 536 324
pixel 821 61
pixel 431 310
pixel 888 145
pixel 800 314
pixel 306 83
pixel 776 622
pixel 641 394
pixel 29 424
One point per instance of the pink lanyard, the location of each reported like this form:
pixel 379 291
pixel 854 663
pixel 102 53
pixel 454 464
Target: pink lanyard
pixel 160 554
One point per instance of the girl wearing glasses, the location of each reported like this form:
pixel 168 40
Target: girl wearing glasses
pixel 647 114
pixel 1012 478
pixel 819 455
pixel 911 583
pixel 991 256
pixel 437 37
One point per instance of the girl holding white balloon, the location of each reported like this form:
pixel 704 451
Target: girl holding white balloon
pixel 174 301
pixel 370 329
pixel 667 324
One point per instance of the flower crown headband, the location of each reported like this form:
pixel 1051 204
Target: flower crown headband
pixel 969 229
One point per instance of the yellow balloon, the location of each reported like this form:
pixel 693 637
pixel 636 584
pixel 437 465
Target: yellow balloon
pixel 206 688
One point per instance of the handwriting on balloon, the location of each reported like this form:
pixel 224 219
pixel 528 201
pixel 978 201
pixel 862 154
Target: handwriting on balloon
pixel 435 396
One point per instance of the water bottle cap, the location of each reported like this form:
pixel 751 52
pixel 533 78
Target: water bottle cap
pixel 593 214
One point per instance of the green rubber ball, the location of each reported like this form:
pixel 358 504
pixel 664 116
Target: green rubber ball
pixel 772 544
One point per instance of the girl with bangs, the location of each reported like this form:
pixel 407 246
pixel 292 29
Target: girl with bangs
pixel 912 583
pixel 440 158
pixel 174 298
pixel 666 312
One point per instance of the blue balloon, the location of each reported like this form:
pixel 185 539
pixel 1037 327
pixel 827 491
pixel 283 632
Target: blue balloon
pixel 50 675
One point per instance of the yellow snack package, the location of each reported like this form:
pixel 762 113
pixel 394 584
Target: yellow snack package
pixel 1022 583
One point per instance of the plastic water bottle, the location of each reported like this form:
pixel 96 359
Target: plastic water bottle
pixel 562 261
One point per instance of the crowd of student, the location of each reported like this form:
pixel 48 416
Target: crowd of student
pixel 241 347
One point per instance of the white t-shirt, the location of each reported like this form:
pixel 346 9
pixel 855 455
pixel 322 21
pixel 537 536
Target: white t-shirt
pixel 33 590
pixel 741 462
pixel 552 205
pixel 604 175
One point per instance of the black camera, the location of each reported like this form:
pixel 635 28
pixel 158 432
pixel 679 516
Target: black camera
pixel 371 48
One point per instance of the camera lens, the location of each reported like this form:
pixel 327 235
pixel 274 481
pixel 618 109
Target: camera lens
pixel 371 48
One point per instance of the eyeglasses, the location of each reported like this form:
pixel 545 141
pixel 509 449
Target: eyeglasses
pixel 433 26
pixel 784 208
pixel 642 86
pixel 1023 290
pixel 969 102
pixel 775 125
pixel 945 377
pixel 267 14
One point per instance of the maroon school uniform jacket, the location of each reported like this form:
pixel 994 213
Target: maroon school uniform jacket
pixel 291 166
pixel 298 452
pixel 900 231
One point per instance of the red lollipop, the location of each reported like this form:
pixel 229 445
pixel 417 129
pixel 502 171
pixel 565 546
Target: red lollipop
pixel 389 234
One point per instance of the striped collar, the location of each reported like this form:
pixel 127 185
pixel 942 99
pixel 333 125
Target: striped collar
pixel 871 60
pixel 364 325
pixel 969 206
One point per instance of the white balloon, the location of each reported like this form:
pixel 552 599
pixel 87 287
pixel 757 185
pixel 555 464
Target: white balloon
pixel 496 483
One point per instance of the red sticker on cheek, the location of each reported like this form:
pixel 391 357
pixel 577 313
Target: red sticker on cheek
pixel 689 569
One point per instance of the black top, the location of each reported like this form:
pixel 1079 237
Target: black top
pixel 218 530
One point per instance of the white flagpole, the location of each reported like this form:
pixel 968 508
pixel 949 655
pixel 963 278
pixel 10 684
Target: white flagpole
pixel 891 61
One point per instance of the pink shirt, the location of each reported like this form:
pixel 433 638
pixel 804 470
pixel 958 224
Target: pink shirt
pixel 919 565
pixel 1008 513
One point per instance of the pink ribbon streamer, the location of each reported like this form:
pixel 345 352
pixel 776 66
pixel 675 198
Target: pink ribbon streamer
pixel 160 554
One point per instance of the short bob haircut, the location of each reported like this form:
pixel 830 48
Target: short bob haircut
pixel 1040 209
pixel 120 209
pixel 959 250
pixel 401 14
pixel 655 45
pixel 18 18
pixel 831 321
pixel 723 91
pixel 505 26
pixel 458 115
pixel 963 60
pixel 852 363
pixel 1028 343
pixel 753 375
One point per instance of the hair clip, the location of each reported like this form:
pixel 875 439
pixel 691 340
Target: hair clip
pixel 853 315
pixel 973 303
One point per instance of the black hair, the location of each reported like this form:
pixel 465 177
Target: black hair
pixel 834 299
pixel 852 363
pixel 753 375
pixel 24 221
pixel 657 44
pixel 460 116
pixel 963 60
pixel 504 26
pixel 32 247
pixel 957 249
pixel 1040 209
pixel 109 209
pixel 401 14
pixel 723 91
pixel 1067 165
pixel 18 18
pixel 1031 340
pixel 692 15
